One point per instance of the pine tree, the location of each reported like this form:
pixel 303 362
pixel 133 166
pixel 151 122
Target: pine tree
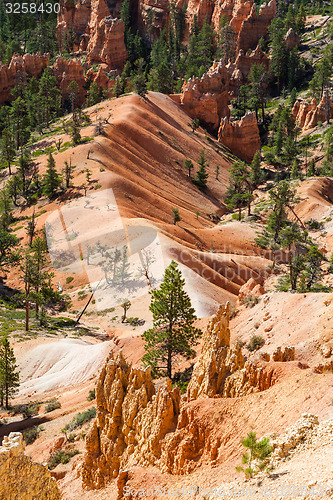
pixel 9 376
pixel 49 94
pixel 257 457
pixel 7 148
pixel 173 332
pixel 188 165
pixel 67 172
pixel 312 169
pixel 52 180
pixel 239 192
pixel 175 215
pixel 200 179
pixel 125 305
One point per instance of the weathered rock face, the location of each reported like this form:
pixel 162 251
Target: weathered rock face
pixel 208 97
pixel 153 15
pixel 107 45
pixel 288 354
pixel 235 10
pixel 67 71
pixel 131 422
pixel 292 39
pixel 20 67
pixel 217 360
pixel 307 115
pixel 96 29
pixel 241 137
pixel 256 26
pixel 222 370
pixel 184 448
pixel 20 477
pixel 251 287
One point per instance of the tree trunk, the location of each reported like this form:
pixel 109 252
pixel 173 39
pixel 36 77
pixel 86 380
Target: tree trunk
pixel 27 314
pixel 169 362
pixel 239 214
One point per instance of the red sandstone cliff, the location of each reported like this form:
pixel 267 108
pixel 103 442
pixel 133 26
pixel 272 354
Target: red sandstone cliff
pixel 241 137
pixel 30 65
pixel 65 72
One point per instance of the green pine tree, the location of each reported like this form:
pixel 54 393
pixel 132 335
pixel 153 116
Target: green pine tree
pixel 173 332
pixel 200 179
pixel 9 376
pixel 256 459
pixel 52 180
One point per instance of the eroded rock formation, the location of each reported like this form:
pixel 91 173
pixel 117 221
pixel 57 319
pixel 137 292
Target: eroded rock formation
pixel 307 115
pixel 221 370
pixel 287 354
pixel 241 137
pixel 20 477
pixel 256 25
pixel 208 97
pixel 67 71
pixel 251 287
pixel 131 421
pixel 294 435
pixel 292 39
pixel 96 29
pixel 20 67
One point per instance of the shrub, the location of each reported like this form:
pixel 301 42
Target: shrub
pixel 52 405
pixel 61 457
pixel 30 435
pixel 30 410
pixel 256 341
pixel 91 395
pixel 80 419
pixel 250 300
pixel 69 279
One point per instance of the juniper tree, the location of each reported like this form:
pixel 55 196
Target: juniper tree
pixel 173 333
pixel 175 215
pixel 9 376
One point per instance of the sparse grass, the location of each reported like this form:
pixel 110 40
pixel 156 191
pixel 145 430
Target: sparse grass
pixel 250 300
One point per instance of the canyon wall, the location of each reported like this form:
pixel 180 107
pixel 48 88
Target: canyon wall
pixel 241 137
pixel 20 477
pixel 20 67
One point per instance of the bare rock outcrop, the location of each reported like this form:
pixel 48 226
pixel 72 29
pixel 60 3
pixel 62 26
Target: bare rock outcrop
pixel 106 44
pixel 131 421
pixel 241 137
pixel 288 354
pixel 207 98
pixel 67 71
pixel 292 39
pixel 251 287
pixel 96 29
pixel 256 25
pixel 20 477
pixel 20 67
pixel 307 115
pixel 294 436
pixel 221 370
pixel 217 360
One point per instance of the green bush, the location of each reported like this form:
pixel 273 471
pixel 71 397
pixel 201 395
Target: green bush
pixel 61 457
pixel 30 435
pixel 69 279
pixel 256 341
pixel 52 405
pixel 91 395
pixel 80 419
pixel 30 410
